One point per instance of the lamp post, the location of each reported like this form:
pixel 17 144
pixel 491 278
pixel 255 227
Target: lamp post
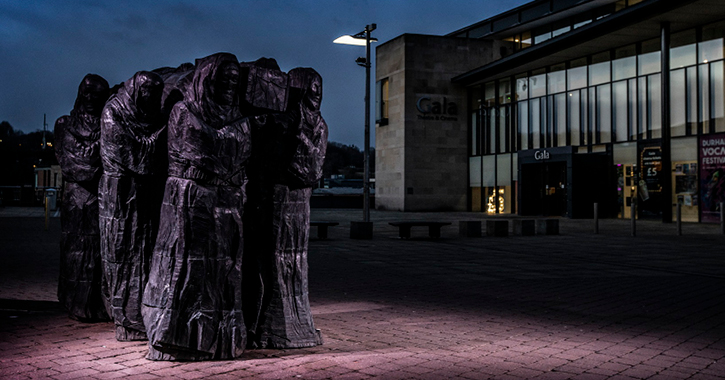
pixel 363 39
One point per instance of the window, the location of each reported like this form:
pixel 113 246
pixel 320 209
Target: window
pixel 678 105
pixel 620 110
pixel 649 59
pixel 560 28
pixel 718 95
pixel 712 46
pixel 523 124
pixel 682 49
pixel 624 64
pixel 522 88
pixel 381 101
pixel 577 74
pixel 557 80
pixel 560 119
pixel 599 70
pixel 541 34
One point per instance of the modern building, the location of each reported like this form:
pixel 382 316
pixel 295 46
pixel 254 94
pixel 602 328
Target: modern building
pixel 554 106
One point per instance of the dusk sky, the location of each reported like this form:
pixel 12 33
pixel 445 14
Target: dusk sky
pixel 47 46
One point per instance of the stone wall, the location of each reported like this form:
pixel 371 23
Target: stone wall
pixel 422 153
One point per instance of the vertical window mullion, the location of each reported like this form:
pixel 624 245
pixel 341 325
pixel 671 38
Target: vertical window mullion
pixel 648 105
pixel 612 124
pixel 629 113
pixel 567 122
pixel 710 93
pixel 698 90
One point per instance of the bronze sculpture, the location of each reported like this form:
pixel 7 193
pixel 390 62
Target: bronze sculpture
pixel 77 149
pixel 289 153
pixel 133 150
pixel 192 302
pixel 204 166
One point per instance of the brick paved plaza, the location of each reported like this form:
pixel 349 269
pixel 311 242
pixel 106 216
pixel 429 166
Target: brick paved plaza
pixel 576 305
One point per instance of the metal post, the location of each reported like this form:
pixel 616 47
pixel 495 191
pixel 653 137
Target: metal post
pixel 634 194
pixel 46 212
pixel 596 218
pixel 679 218
pixel 666 174
pixel 366 153
pixel 633 211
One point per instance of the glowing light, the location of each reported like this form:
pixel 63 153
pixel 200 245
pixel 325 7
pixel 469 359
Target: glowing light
pixel 492 205
pixel 355 40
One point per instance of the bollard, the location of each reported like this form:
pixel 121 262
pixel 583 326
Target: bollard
pixel 46 213
pixel 633 212
pixel 722 218
pixel 596 218
pixel 679 218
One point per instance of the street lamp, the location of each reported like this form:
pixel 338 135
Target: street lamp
pixel 363 39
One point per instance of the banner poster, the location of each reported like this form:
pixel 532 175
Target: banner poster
pixel 712 176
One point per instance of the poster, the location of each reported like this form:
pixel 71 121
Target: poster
pixel 712 176
pixel 651 164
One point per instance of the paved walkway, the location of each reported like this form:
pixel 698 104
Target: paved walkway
pixel 577 305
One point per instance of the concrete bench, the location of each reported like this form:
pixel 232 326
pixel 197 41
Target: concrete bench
pixel 524 227
pixel 434 228
pixel 322 228
pixel 497 227
pixel 469 228
pixel 547 226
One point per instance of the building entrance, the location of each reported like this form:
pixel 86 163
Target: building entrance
pixel 545 192
pixel 557 182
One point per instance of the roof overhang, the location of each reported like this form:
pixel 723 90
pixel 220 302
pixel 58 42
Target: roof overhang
pixel 640 22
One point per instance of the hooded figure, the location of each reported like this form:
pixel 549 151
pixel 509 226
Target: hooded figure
pixel 192 303
pixel 288 162
pixel 77 149
pixel 133 150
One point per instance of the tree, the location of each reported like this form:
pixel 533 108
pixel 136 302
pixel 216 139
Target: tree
pixel 346 160
pixel 20 151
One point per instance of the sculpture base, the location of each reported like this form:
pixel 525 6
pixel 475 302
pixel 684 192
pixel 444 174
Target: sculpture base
pixel 157 355
pixel 279 344
pixel 361 230
pixel 129 335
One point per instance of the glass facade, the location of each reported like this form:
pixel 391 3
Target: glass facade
pixel 548 31
pixel 610 97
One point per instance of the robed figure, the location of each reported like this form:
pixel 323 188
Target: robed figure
pixel 133 150
pixel 192 303
pixel 78 152
pixel 289 154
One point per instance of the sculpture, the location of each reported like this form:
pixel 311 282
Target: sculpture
pixel 133 151
pixel 289 151
pixel 192 302
pixel 175 80
pixel 77 149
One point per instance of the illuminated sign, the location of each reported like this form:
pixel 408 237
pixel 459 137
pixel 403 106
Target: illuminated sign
pixel 541 155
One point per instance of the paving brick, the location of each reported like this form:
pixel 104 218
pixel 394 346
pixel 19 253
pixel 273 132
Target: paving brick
pixel 572 306
pixel 79 374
